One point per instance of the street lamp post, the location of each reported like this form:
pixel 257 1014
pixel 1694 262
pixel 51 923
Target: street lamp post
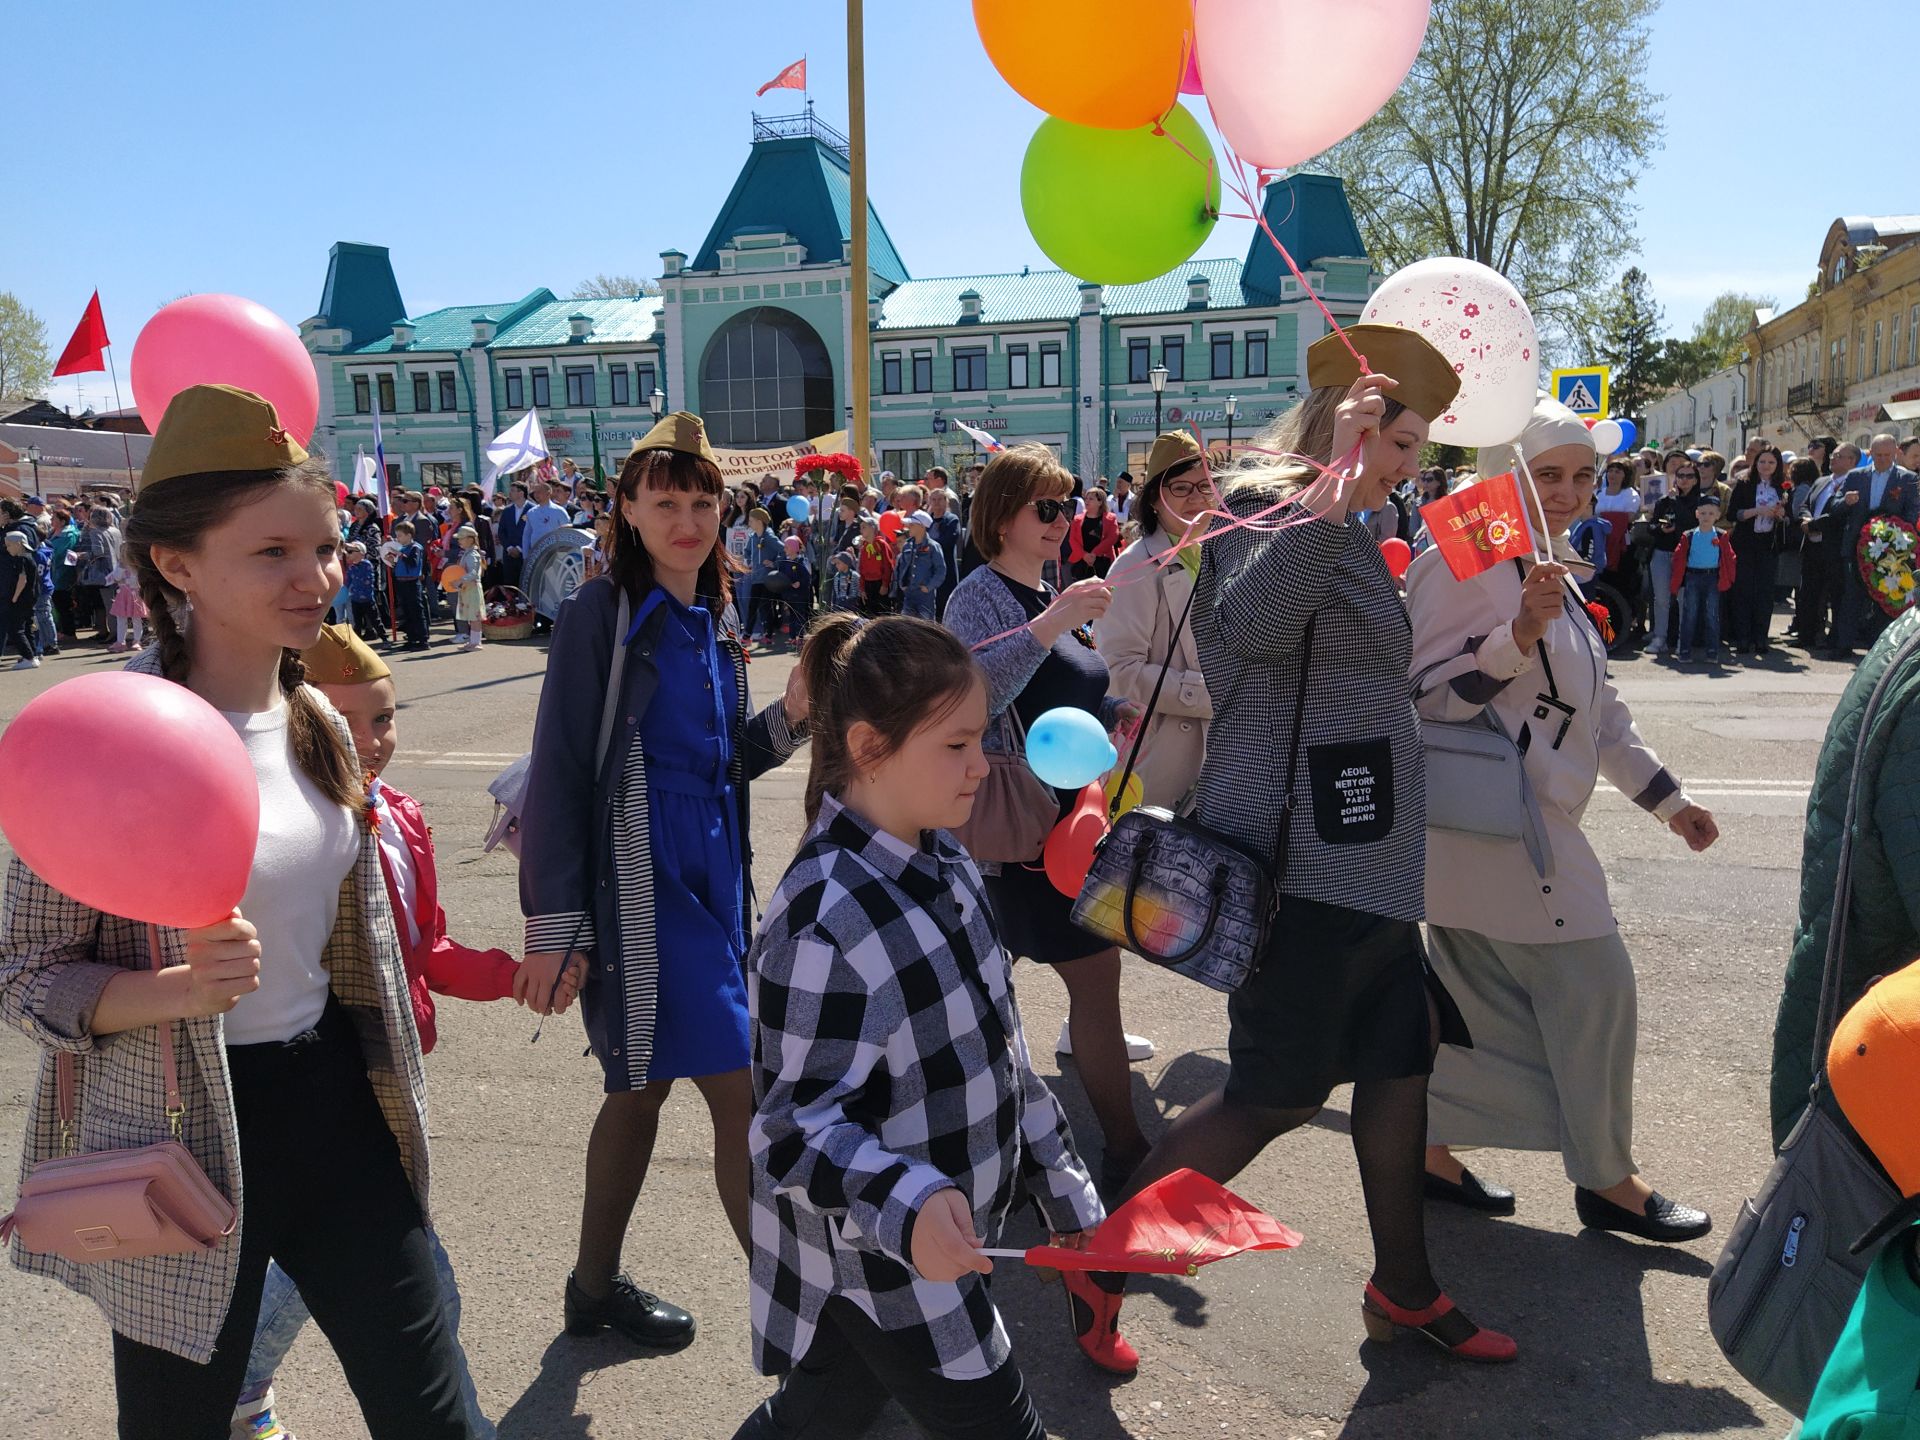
pixel 657 402
pixel 1157 377
pixel 33 459
pixel 1233 408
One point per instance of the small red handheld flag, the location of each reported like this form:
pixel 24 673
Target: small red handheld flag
pixel 83 352
pixel 1479 526
pixel 1177 1224
pixel 794 77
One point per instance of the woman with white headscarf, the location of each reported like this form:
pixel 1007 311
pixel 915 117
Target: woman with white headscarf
pixel 1525 938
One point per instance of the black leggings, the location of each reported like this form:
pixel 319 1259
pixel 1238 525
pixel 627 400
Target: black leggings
pixel 853 1366
pixel 327 1197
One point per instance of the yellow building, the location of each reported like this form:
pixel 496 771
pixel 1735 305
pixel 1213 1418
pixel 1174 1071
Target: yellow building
pixel 1846 361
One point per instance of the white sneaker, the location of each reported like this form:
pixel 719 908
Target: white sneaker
pixel 32 662
pixel 1138 1046
pixel 1658 647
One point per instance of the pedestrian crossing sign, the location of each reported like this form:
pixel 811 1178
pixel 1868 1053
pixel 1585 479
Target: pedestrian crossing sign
pixel 1583 390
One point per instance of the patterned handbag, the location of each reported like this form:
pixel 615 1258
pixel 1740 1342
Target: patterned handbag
pixel 1177 893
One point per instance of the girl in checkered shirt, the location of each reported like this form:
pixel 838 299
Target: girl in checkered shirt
pixel 897 1105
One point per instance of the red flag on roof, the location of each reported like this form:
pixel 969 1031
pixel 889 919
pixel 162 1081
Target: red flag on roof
pixel 84 350
pixel 1478 526
pixel 1177 1224
pixel 794 77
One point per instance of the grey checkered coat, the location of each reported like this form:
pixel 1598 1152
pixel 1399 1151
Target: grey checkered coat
pixel 888 1064
pixel 57 955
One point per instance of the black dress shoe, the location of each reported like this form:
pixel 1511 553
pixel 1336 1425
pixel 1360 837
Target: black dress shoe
pixel 1664 1222
pixel 1472 1192
pixel 643 1318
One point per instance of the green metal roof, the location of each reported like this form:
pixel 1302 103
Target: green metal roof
pixel 448 329
pixel 1054 295
pixel 615 322
pixel 360 295
pixel 799 187
pixel 1168 293
pixel 1311 216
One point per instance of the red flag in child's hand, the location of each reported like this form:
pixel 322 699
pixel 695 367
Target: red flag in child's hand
pixel 83 354
pixel 1177 1224
pixel 1478 526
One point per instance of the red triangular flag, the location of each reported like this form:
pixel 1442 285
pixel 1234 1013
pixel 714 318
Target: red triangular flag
pixel 794 77
pixel 1177 1224
pixel 83 352
pixel 1479 525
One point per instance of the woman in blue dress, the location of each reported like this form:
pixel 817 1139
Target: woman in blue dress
pixel 635 854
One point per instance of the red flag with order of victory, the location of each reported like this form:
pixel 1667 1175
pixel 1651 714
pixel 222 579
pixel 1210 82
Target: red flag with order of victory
pixel 83 352
pixel 794 77
pixel 1479 526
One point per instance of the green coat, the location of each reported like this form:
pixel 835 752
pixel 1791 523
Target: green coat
pixel 1886 862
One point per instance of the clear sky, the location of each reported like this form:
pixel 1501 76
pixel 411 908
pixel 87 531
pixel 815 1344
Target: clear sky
pixel 157 149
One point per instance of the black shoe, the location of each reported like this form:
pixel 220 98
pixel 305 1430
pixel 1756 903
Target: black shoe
pixel 643 1318
pixel 1472 1192
pixel 1664 1222
pixel 1115 1175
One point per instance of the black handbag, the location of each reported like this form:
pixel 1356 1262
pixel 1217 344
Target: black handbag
pixel 1799 1253
pixel 1177 893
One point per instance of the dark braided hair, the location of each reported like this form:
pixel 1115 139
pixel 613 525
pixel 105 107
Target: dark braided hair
pixel 175 516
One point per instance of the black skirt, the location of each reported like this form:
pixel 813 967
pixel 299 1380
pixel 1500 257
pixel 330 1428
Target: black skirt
pixel 1035 920
pixel 1340 995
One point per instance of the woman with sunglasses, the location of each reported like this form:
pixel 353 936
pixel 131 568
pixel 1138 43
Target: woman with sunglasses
pixel 1672 518
pixel 1144 621
pixel 1037 651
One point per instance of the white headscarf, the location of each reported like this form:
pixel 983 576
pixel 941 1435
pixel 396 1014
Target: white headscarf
pixel 1552 426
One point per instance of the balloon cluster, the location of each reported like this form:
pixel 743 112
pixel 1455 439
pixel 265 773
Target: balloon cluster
pixel 1610 437
pixel 1120 184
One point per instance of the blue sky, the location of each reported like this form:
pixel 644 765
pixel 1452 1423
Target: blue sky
pixel 496 147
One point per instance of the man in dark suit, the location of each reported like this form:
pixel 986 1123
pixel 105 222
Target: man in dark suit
pixel 1816 508
pixel 1879 488
pixel 509 527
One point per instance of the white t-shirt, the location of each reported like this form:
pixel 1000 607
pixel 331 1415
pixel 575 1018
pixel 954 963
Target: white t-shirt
pixel 307 848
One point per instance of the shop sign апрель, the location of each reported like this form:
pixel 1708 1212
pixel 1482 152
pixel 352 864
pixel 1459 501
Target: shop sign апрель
pixel 1200 415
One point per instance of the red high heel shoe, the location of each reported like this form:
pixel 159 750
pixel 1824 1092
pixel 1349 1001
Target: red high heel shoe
pixel 1095 1313
pixel 1384 1319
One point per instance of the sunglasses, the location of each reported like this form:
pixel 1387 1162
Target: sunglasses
pixel 1686 474
pixel 1049 510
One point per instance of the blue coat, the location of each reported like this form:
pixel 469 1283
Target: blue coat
pixel 921 565
pixel 509 525
pixel 576 891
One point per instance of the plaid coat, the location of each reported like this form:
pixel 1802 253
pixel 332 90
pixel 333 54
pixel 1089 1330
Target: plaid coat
pixel 57 955
pixel 889 1063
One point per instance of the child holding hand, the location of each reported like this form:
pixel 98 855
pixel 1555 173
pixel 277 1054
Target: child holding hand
pixel 879 1172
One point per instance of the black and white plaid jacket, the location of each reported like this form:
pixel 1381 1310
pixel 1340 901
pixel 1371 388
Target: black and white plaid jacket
pixel 888 1064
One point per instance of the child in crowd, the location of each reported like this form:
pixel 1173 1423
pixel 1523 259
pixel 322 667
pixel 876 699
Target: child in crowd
pixel 363 581
pixel 844 588
pixel 1590 535
pixel 897 1108
pixel 763 548
pixel 793 594
pixel 19 593
pixel 1702 572
pixel 470 600
pixel 922 569
pixel 409 570
pixel 876 567
pixel 128 610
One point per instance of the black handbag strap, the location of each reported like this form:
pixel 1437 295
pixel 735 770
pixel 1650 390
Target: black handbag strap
pixel 1830 997
pixel 1140 731
pixel 1293 755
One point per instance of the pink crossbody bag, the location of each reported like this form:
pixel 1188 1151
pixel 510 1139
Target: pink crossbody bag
pixel 120 1204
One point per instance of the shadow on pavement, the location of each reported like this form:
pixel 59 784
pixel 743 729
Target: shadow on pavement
pixel 559 1402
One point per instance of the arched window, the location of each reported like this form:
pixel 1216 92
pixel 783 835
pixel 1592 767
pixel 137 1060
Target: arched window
pixel 766 379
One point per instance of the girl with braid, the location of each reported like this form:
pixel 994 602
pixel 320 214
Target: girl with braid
pixel 300 1079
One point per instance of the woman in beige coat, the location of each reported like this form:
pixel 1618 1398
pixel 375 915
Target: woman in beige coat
pixel 1139 625
pixel 1528 946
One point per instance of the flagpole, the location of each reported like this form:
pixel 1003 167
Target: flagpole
pixel 860 381
pixel 126 445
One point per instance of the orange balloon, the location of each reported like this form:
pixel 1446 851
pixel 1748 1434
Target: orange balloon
pixel 1112 64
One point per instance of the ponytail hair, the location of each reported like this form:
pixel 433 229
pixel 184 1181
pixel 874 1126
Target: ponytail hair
pixel 898 674
pixel 176 516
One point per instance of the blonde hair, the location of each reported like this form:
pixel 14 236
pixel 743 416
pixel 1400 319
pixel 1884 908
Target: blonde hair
pixel 1306 429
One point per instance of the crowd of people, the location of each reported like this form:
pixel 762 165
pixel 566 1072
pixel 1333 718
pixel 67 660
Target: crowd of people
pixel 875 1111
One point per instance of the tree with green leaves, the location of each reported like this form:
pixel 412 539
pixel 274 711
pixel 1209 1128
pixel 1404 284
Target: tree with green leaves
pixel 1515 141
pixel 1629 341
pixel 25 362
pixel 1725 324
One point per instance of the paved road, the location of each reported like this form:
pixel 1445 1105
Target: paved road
pixel 1613 1334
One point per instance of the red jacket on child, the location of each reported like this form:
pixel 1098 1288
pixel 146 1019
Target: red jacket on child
pixel 438 964
pixel 1721 544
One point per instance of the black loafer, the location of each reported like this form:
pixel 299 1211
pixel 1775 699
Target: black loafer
pixel 1472 1192
pixel 1665 1222
pixel 643 1318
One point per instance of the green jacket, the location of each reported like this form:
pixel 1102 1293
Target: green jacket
pixel 1886 862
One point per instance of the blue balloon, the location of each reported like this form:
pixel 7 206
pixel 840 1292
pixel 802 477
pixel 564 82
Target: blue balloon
pixel 1629 433
pixel 1068 749
pixel 799 510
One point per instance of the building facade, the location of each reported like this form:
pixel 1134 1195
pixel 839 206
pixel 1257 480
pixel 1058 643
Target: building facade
pixel 1709 413
pixel 755 330
pixel 1846 361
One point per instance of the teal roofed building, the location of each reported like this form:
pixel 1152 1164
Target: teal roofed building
pixel 754 333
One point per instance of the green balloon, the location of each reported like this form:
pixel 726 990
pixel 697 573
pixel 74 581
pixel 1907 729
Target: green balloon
pixel 1120 206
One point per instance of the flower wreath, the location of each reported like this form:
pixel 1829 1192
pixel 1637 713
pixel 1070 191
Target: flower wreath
pixel 843 465
pixel 1886 558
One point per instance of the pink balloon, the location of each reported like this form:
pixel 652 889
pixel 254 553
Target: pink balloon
pixel 1398 555
pixel 166 777
pixel 225 340
pixel 1357 51
pixel 1070 845
pixel 1190 82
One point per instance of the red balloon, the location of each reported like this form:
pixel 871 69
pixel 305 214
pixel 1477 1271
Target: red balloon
pixel 1069 853
pixel 339 495
pixel 1399 555
pixel 225 340
pixel 891 522
pixel 179 797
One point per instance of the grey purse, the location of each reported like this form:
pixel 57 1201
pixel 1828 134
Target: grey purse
pixel 1799 1253
pixel 1477 784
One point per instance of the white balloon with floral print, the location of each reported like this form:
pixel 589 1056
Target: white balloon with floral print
pixel 1473 316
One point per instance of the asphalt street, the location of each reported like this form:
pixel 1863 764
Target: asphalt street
pixel 1613 1334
